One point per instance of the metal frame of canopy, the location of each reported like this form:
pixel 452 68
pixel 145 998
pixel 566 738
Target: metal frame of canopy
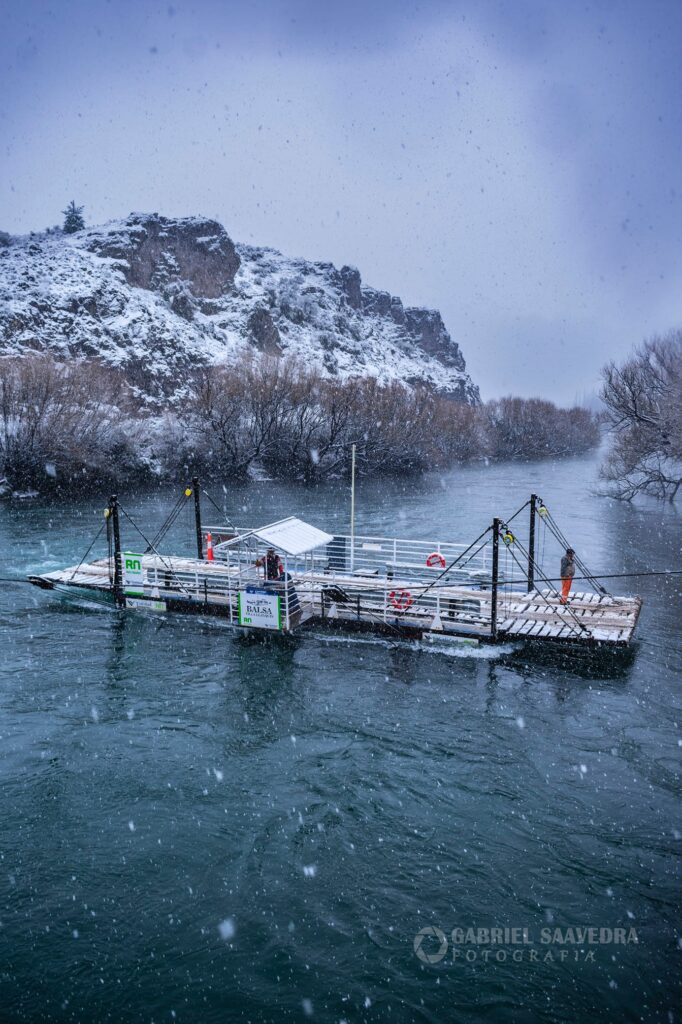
pixel 295 541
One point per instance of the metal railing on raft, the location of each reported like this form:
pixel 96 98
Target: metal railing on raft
pixel 325 591
pixel 431 584
pixel 371 555
pixel 370 599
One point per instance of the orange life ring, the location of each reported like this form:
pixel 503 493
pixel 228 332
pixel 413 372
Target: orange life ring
pixel 400 599
pixel 434 559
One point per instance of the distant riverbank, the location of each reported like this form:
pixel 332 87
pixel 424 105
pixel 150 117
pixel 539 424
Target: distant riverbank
pixel 80 426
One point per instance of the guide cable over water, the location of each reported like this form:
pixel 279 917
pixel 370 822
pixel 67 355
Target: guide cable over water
pixel 404 587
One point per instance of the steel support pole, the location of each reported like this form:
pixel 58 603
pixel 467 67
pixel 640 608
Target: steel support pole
pixel 352 508
pixel 531 544
pixel 119 595
pixel 495 579
pixel 286 593
pixel 197 517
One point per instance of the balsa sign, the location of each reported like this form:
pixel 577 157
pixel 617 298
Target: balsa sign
pixel 259 609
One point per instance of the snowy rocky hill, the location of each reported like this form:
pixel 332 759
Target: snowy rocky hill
pixel 155 296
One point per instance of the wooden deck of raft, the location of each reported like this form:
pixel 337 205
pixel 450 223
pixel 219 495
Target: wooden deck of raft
pixel 540 615
pixel 589 618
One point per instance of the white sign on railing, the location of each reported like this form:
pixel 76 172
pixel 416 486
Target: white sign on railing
pixel 133 575
pixel 259 609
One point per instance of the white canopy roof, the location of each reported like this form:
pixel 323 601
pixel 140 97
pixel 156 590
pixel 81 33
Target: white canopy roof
pixel 293 536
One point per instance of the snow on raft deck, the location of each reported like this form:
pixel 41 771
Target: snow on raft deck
pixel 366 598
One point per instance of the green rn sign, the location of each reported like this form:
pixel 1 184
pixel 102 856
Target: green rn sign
pixel 133 576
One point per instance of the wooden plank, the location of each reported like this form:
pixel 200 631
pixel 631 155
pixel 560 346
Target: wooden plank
pixel 558 617
pixel 604 634
pixel 527 628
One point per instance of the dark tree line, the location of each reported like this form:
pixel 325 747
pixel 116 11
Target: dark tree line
pixel 78 424
pixel 293 423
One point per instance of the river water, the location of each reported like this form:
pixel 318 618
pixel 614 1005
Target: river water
pixel 194 827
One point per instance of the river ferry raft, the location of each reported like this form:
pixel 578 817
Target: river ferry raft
pixel 289 575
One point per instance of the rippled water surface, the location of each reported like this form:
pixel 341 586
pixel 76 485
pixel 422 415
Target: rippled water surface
pixel 196 827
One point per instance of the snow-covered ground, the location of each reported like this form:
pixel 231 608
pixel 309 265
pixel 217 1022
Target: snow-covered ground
pixel 155 296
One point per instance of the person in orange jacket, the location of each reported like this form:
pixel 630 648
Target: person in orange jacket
pixel 567 573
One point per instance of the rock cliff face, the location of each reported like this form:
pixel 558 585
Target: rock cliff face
pixel 154 251
pixel 156 296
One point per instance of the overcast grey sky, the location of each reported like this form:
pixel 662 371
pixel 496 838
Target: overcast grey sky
pixel 515 165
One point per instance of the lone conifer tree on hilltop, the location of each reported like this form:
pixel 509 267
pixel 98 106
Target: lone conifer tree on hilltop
pixel 73 218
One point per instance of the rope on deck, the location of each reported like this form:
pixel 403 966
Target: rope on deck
pixel 95 539
pixel 554 609
pixel 559 536
pixel 166 525
pixel 151 547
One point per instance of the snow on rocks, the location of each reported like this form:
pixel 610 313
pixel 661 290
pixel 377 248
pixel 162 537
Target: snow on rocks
pixel 156 296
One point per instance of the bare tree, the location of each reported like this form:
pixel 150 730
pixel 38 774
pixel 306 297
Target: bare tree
pixel 531 428
pixel 62 423
pixel 643 397
pixel 238 416
pixel 288 419
pixel 76 422
pixel 458 432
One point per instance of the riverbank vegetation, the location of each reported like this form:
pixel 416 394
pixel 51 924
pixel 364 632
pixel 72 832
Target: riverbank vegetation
pixel 643 398
pixel 81 424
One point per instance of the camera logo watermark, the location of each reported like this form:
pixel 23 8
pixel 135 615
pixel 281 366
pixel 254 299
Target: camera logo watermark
pixel 548 945
pixel 430 932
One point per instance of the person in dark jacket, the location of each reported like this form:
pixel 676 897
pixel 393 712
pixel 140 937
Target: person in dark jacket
pixel 272 563
pixel 567 573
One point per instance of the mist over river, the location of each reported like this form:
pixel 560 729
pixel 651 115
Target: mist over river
pixel 198 827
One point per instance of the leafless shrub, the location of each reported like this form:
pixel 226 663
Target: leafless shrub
pixel 519 428
pixel 286 418
pixel 76 422
pixel 62 423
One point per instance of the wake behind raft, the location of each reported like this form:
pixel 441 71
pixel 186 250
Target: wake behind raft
pixel 289 575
